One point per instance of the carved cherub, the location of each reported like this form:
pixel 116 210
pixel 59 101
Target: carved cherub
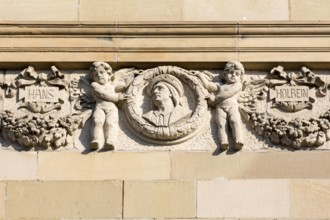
pixel 224 97
pixel 98 96
pixel 106 92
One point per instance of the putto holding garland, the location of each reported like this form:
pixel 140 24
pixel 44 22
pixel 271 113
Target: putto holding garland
pixel 224 96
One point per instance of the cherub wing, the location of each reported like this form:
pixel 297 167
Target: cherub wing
pixel 81 93
pixel 204 77
pixel 124 77
pixel 253 97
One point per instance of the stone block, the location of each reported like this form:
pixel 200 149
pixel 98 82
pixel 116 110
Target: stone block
pixel 47 200
pixel 243 199
pixel 235 10
pixel 310 199
pixel 39 10
pixel 103 166
pixel 309 10
pixel 127 10
pixel 171 199
pixel 18 165
pixel 249 165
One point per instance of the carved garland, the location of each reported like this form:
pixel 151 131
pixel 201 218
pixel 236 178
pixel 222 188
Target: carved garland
pixel 182 131
pixel 297 133
pixel 38 130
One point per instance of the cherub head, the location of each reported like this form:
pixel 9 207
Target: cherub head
pixel 233 72
pixel 100 72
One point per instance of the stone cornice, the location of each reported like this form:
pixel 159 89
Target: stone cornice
pixel 165 28
pixel 165 42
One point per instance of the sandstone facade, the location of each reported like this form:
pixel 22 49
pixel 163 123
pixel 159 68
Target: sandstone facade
pixel 68 66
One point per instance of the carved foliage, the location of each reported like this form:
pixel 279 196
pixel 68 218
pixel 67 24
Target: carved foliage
pixel 297 133
pixel 40 132
pixel 38 93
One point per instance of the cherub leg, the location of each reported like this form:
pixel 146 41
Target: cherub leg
pixel 236 127
pixel 111 128
pixel 97 129
pixel 221 119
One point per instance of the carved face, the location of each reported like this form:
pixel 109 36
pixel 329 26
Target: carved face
pixel 232 77
pixel 100 75
pixel 161 92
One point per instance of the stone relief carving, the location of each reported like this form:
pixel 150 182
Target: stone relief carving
pixel 103 91
pixel 38 94
pixel 224 95
pixel 294 91
pixel 165 105
pixel 155 107
pixel 297 133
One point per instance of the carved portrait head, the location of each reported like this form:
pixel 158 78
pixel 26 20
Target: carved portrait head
pixel 164 88
pixel 233 72
pixel 100 72
pixel 165 105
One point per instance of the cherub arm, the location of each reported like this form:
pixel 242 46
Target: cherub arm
pixel 234 89
pixel 104 94
pixel 210 86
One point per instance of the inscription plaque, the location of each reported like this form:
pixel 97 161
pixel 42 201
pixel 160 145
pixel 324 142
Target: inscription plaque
pixel 39 94
pixel 291 93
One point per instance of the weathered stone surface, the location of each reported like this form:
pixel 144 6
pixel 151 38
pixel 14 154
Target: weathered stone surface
pixel 288 56
pixel 243 199
pixel 46 200
pixel 18 165
pixel 126 10
pixel 2 199
pixel 58 56
pixel 171 199
pixel 37 10
pixel 103 166
pixel 309 10
pixel 173 56
pixel 37 109
pixel 242 165
pixel 229 10
pixel 310 199
pixel 178 42
pixel 224 95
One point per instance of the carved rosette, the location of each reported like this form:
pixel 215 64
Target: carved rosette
pixel 172 133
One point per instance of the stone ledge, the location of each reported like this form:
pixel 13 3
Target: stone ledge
pixel 103 166
pixel 250 165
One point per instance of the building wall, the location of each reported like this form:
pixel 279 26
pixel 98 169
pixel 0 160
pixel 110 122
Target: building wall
pixel 164 10
pixel 204 34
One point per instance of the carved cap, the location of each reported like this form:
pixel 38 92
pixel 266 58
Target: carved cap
pixel 173 81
